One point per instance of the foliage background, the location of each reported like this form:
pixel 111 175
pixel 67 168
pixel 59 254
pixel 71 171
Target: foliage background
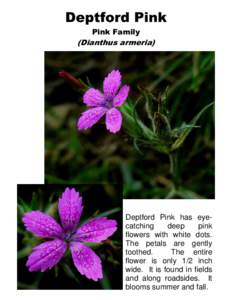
pixel 97 199
pixel 96 156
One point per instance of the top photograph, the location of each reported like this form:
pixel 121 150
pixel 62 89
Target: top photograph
pixel 142 119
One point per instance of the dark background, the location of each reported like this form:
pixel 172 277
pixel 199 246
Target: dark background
pixel 97 199
pixel 96 156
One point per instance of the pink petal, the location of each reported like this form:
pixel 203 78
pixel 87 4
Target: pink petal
pixel 46 255
pixel 111 84
pixel 96 230
pixel 70 208
pixel 93 97
pixel 113 120
pixel 90 117
pixel 42 225
pixel 86 261
pixel 122 95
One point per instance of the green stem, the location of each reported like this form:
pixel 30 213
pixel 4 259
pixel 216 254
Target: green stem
pixel 174 170
pixel 171 193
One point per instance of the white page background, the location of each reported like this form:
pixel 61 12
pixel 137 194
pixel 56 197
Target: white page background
pixel 28 28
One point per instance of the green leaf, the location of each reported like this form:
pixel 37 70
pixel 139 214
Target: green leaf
pixel 130 183
pixel 105 282
pixel 24 252
pixel 34 199
pixel 25 286
pixel 176 132
pixel 56 270
pixel 187 194
pixel 149 107
pixel 68 271
pixel 132 123
pixel 180 140
pixel 23 206
pixel 128 121
pixel 135 115
pixel 93 245
pixel 109 212
pixel 21 209
pixel 53 179
pixel 104 214
pixel 136 146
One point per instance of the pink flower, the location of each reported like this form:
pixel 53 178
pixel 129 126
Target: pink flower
pixel 48 254
pixel 105 103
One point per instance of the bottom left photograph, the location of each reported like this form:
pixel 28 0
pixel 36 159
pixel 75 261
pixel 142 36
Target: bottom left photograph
pixel 69 237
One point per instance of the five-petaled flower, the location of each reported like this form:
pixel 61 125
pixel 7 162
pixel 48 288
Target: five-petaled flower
pixel 105 103
pixel 48 254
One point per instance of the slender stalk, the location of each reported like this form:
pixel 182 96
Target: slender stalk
pixel 171 193
pixel 174 170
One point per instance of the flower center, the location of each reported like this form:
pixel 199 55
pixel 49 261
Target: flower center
pixel 68 236
pixel 109 103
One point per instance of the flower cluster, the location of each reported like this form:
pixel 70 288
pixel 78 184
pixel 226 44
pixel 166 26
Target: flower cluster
pixel 68 235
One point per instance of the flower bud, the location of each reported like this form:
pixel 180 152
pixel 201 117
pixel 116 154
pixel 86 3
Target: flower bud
pixel 71 79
